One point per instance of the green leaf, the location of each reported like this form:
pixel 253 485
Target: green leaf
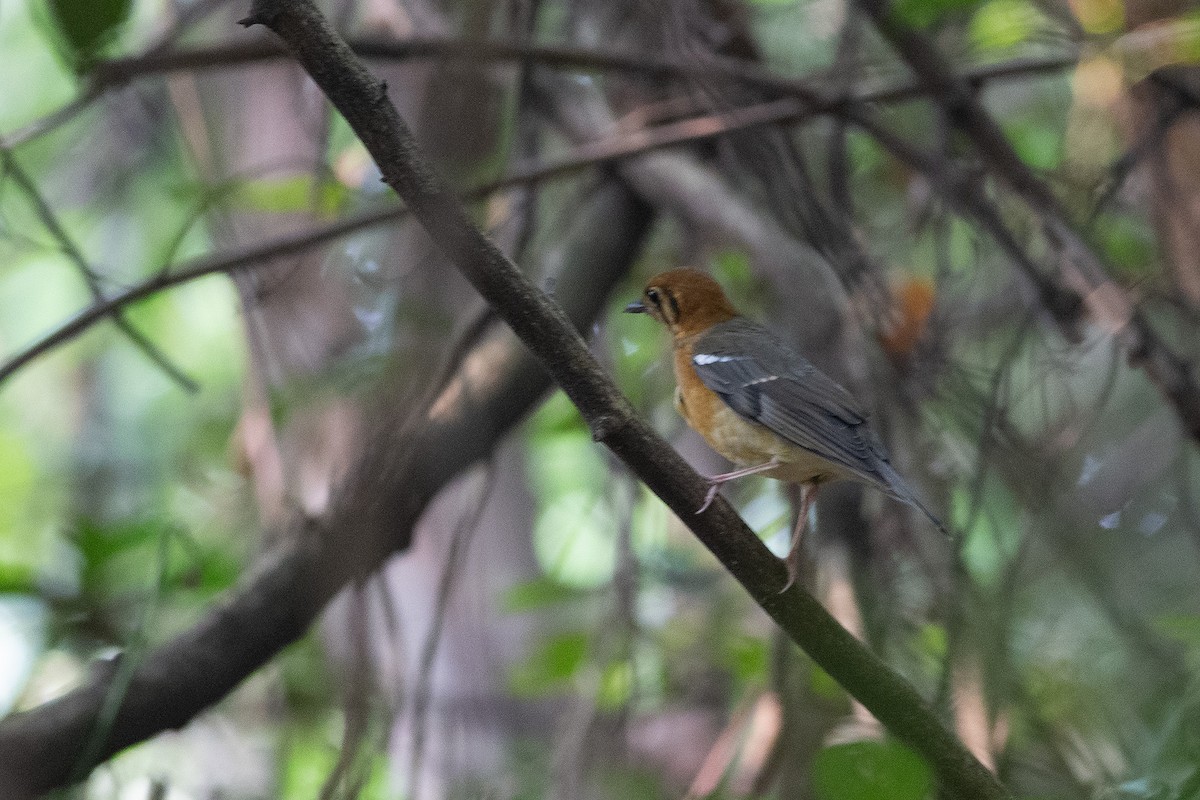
pixel 17 578
pixel 616 685
pixel 748 656
pixel 1129 245
pixel 1183 628
pixel 563 654
pixel 551 665
pixel 538 594
pixel 98 544
pixel 86 26
pixel 296 194
pixel 926 13
pixel 823 684
pixel 871 770
pixel 1000 24
pixel 1039 145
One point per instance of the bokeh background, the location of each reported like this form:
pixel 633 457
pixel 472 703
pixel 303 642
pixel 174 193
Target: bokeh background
pixel 552 630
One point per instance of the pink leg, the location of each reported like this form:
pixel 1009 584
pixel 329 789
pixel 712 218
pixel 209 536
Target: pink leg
pixel 808 493
pixel 717 481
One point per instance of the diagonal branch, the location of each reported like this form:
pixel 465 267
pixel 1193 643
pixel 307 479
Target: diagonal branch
pixel 585 155
pixel 1083 271
pixel 76 257
pixel 111 305
pixel 373 517
pixel 544 329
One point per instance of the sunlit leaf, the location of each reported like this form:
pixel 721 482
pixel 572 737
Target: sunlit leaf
pixel 1129 245
pixel 749 657
pixel 290 195
pixel 616 685
pixel 1000 24
pixel 1039 146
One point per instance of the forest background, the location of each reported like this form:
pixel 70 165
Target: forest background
pixel 286 510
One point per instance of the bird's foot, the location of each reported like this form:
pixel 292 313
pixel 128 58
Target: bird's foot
pixel 717 481
pixel 795 554
pixel 792 562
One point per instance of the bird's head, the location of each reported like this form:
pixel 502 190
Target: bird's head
pixel 685 300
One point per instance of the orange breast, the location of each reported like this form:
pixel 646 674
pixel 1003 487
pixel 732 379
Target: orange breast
pixel 743 442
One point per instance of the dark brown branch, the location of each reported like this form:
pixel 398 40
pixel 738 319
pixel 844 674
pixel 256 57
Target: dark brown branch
pixel 119 71
pixel 373 517
pixel 544 329
pixel 1084 273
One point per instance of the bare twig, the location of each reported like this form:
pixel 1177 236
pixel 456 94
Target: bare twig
pixel 586 155
pixel 545 330
pixel 75 256
pixel 456 559
pixel 118 71
pixel 243 259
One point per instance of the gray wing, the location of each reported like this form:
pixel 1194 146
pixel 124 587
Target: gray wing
pixel 765 381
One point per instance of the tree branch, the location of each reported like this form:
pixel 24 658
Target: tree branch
pixel 75 256
pixel 585 155
pixel 1083 271
pixel 119 71
pixel 372 518
pixel 544 329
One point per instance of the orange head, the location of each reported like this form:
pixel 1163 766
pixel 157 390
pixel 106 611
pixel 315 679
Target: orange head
pixel 685 300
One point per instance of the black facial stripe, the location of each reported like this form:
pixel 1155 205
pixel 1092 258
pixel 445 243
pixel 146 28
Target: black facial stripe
pixel 674 305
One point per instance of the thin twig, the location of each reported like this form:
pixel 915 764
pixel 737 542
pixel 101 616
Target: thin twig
pixel 586 155
pixel 455 563
pixel 119 71
pixel 209 265
pixel 50 221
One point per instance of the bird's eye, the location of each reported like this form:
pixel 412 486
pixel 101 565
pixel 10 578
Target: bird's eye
pixel 652 296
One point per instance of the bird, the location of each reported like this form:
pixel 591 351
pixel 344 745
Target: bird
pixel 761 404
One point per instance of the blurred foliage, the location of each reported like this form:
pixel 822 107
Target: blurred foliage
pixel 867 770
pixel 615 650
pixel 84 28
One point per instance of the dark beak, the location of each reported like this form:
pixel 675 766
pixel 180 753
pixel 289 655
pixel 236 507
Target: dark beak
pixel 636 307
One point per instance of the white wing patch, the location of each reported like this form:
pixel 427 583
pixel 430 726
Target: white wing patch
pixel 704 359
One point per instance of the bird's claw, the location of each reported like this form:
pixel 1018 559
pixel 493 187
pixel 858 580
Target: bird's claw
pixel 792 562
pixel 713 488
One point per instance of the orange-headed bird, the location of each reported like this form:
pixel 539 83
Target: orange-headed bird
pixel 761 404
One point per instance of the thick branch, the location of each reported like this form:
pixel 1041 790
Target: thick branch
pixel 542 326
pixel 373 518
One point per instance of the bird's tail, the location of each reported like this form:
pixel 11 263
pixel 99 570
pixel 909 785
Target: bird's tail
pixel 894 485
